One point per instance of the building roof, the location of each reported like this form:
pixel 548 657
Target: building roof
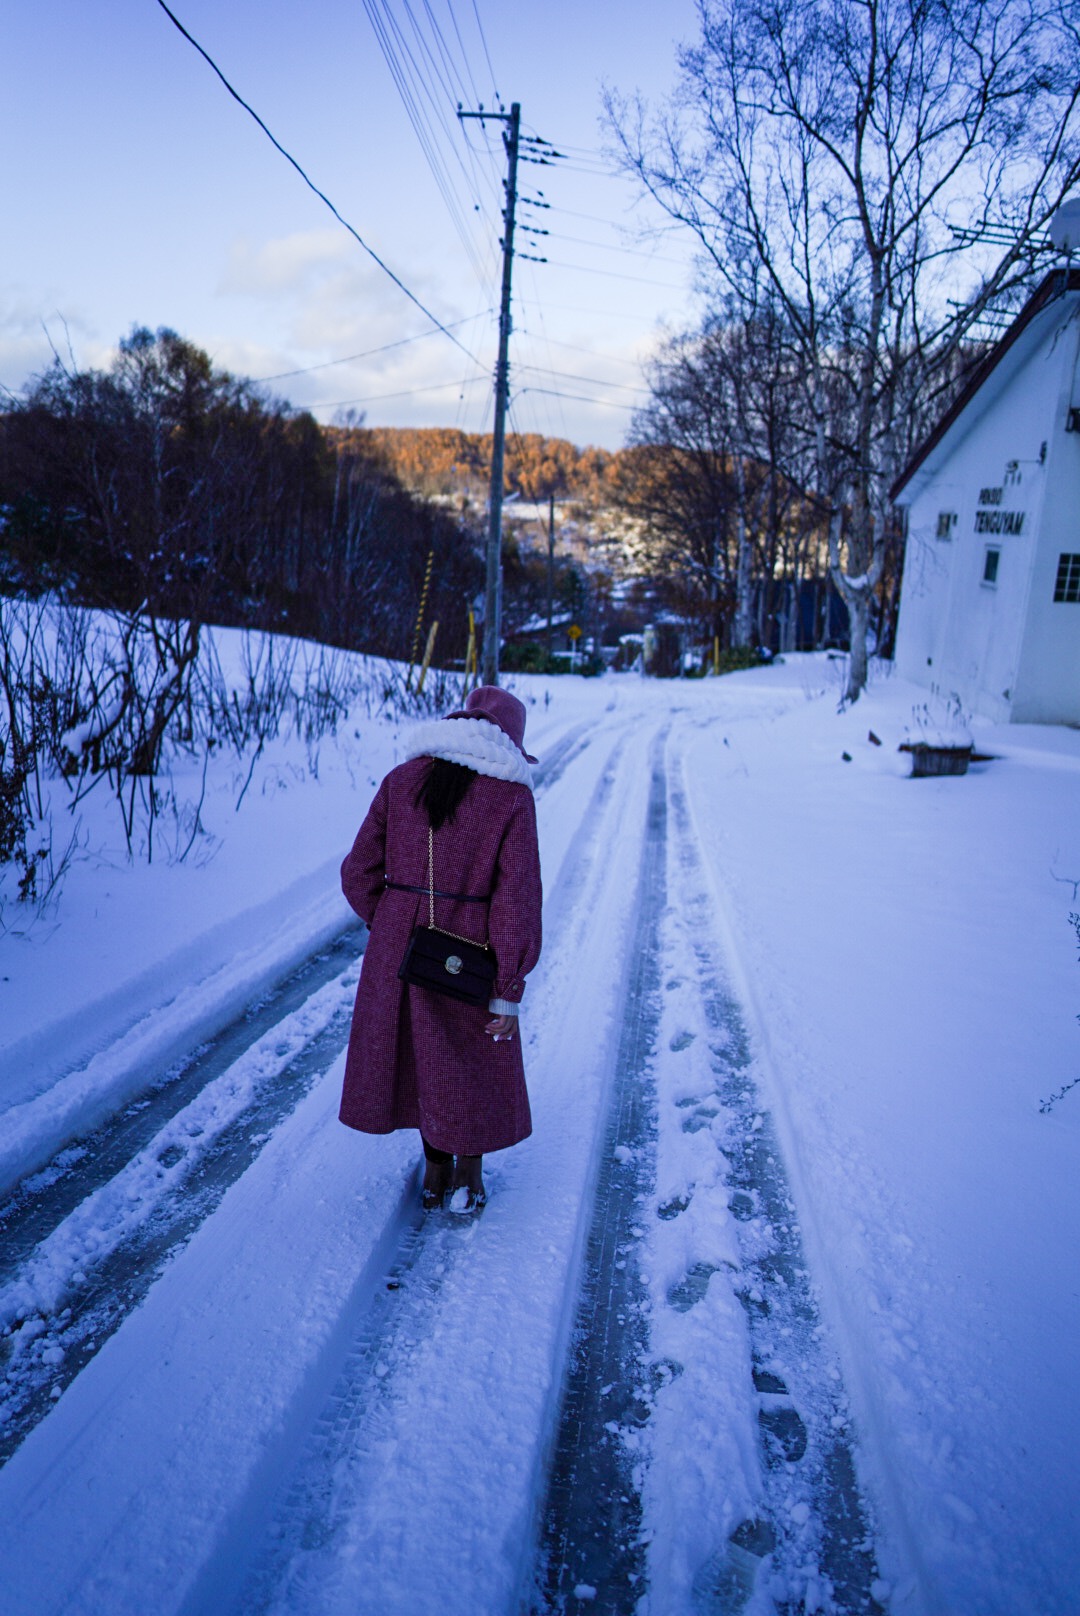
pixel 1053 286
pixel 538 622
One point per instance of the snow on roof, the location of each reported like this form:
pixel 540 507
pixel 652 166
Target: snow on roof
pixel 1057 284
pixel 537 623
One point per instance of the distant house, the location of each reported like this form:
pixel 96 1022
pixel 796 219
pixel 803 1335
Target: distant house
pixel 990 606
pixel 537 625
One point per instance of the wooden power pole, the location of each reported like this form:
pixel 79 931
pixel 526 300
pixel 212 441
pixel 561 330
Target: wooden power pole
pixel 493 589
pixel 551 571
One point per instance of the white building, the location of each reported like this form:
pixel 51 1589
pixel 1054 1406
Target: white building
pixel 990 606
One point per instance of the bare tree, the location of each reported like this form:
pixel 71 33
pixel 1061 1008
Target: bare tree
pixel 886 170
pixel 679 480
pixel 721 468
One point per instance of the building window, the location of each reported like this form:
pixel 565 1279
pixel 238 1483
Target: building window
pixel 945 523
pixel 1067 583
pixel 990 565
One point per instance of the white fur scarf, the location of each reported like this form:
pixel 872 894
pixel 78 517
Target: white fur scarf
pixel 475 742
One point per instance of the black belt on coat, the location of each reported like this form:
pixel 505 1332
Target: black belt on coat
pixel 456 897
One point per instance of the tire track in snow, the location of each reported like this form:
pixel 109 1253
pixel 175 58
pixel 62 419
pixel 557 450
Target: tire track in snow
pixel 40 1202
pixel 85 1237
pixel 809 1540
pixel 76 1287
pixel 809 1544
pixel 592 1546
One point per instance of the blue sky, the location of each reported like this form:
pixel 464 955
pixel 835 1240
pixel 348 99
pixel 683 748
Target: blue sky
pixel 135 190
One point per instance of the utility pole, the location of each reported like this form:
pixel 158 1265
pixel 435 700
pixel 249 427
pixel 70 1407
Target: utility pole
pixel 493 590
pixel 551 568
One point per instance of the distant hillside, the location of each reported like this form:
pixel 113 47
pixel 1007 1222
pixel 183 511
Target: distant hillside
pixel 441 462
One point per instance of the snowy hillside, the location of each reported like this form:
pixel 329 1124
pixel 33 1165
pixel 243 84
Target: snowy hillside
pixel 776 1310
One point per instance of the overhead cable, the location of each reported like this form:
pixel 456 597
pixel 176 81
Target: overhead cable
pixel 578 398
pixel 578 308
pixel 374 398
pixel 611 246
pixel 575 347
pixel 369 353
pixel 570 376
pixel 612 274
pixel 414 87
pixel 472 92
pixel 487 53
pixel 372 254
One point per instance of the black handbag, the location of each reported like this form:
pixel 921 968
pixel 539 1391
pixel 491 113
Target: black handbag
pixel 443 962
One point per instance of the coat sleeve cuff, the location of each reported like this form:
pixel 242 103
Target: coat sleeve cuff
pixel 502 1007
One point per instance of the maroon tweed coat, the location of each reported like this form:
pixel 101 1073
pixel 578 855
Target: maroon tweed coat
pixel 419 1059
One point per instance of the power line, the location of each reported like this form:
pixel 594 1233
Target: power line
pixel 587 159
pixel 487 53
pixel 445 81
pixel 472 93
pixel 597 218
pixel 579 398
pixel 414 88
pixel 421 97
pixel 549 412
pixel 575 347
pixel 572 167
pixel 586 151
pixel 597 381
pixel 369 353
pixel 467 385
pixel 578 308
pixel 519 436
pixel 611 246
pixel 445 70
pixel 372 254
pixel 375 398
pixel 613 274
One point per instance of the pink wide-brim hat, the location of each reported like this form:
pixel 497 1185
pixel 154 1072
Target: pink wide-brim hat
pixel 499 707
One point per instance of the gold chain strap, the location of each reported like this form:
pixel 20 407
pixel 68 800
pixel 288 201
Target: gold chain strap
pixel 431 896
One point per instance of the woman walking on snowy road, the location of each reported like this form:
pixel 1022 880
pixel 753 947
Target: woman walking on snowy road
pixel 418 1059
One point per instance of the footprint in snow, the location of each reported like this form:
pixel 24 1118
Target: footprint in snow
pixel 690 1290
pixel 727 1579
pixel 700 1119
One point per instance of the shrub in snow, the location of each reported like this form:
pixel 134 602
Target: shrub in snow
pixel 125 704
pixel 943 725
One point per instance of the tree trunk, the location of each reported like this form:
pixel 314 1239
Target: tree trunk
pixel 858 607
pixel 856 593
pixel 742 624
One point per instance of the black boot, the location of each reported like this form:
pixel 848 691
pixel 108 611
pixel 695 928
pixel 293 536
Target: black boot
pixel 468 1177
pixel 438 1174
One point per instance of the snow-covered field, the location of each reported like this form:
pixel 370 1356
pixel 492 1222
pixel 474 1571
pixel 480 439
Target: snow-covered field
pixel 317 1407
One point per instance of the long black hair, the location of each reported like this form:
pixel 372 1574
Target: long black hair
pixel 442 789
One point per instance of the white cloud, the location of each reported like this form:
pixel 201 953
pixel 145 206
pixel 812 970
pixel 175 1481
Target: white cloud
pixel 288 265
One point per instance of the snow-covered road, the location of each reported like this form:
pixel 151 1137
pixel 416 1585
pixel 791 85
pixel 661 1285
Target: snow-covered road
pixel 621 1389
pixel 413 1417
